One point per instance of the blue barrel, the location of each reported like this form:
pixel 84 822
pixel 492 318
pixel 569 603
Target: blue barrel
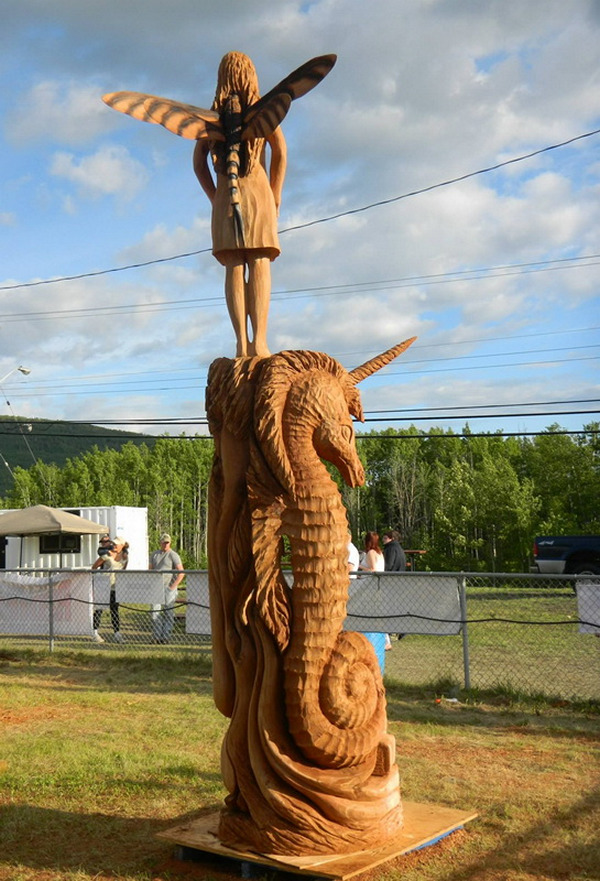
pixel 377 640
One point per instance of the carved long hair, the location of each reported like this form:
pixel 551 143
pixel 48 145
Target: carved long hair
pixel 237 74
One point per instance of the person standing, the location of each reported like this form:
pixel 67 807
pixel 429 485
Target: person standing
pixel 353 560
pixel 395 558
pixel 393 552
pixel 163 614
pixel 373 560
pixel 113 556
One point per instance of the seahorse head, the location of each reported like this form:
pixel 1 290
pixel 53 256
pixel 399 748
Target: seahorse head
pixel 313 388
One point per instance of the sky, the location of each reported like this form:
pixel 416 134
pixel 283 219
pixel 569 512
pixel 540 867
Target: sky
pixel 496 274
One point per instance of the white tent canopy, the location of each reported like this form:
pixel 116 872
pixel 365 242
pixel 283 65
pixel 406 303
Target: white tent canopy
pixel 42 520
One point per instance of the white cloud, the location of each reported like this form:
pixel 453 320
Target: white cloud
pixel 422 92
pixel 110 171
pixel 58 112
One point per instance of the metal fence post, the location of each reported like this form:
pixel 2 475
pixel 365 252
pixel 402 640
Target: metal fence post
pixel 50 612
pixel 462 596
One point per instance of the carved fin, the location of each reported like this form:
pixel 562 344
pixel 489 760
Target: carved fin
pixel 185 120
pixel 263 117
pixel 369 367
pixel 266 121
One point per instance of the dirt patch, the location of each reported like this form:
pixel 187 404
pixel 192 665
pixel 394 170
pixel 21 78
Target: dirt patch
pixel 28 715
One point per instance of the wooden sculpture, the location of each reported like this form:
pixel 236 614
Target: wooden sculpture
pixel 245 201
pixel 307 761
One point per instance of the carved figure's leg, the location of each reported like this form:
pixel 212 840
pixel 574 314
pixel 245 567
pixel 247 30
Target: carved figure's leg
pixel 235 296
pixel 258 298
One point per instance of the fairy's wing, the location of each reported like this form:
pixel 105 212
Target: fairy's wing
pixel 181 119
pixel 262 118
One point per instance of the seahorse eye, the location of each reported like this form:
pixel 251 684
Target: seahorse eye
pixel 347 433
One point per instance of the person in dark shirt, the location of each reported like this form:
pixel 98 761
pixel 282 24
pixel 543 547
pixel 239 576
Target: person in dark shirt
pixel 393 554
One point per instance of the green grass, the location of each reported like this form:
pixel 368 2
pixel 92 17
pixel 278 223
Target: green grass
pixel 543 657
pixel 99 752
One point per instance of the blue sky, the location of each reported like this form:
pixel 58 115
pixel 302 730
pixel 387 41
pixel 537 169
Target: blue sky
pixel 496 275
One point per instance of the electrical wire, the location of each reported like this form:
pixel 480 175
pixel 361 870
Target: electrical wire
pixel 143 438
pixel 182 604
pixel 320 220
pixel 468 417
pixel 373 286
pixel 190 383
pixel 201 420
pixel 33 385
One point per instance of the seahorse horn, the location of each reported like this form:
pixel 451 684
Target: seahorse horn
pixel 359 373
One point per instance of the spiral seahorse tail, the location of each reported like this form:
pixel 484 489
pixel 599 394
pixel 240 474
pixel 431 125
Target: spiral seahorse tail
pixel 335 699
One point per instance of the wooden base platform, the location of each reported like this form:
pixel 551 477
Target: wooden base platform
pixel 424 825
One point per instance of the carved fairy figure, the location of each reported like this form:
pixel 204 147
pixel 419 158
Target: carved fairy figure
pixel 245 199
pixel 247 245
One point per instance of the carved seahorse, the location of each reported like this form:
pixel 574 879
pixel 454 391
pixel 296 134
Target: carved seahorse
pixel 334 696
pixel 320 776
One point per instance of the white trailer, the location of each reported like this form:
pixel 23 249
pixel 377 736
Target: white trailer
pixel 64 551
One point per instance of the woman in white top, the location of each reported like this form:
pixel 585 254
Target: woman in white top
pixel 373 560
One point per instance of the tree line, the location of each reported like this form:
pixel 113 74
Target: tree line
pixel 473 503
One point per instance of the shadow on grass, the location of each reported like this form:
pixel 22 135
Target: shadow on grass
pixel 535 853
pixel 99 844
pixel 48 840
pixel 181 674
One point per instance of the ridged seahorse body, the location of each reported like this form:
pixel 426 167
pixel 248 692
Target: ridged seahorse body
pixel 307 760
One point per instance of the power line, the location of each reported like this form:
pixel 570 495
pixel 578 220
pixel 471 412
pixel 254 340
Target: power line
pixel 488 406
pixel 355 354
pixel 445 183
pixel 479 274
pixel 309 223
pixel 201 420
pixel 45 426
pixel 143 438
pixel 470 416
pixel 491 434
pixel 491 366
pixel 192 384
pixel 35 384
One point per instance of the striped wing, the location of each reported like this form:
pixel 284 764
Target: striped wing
pixel 263 117
pixel 181 119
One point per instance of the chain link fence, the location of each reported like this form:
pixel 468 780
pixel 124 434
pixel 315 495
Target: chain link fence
pixel 536 634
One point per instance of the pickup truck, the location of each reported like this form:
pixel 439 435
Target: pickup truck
pixel 567 554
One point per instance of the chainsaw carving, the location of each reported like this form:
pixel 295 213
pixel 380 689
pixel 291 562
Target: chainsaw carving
pixel 245 201
pixel 306 760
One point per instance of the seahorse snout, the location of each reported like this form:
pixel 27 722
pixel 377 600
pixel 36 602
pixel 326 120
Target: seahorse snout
pixel 335 442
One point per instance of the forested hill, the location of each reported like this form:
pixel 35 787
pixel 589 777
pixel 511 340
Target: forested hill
pixel 53 443
pixel 471 502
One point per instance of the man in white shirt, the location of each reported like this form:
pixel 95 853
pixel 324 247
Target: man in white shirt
pixel 169 562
